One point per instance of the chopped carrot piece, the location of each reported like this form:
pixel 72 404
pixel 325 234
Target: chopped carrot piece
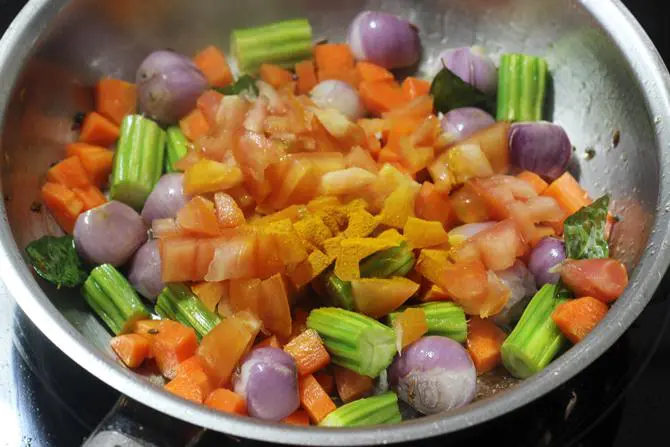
pixel 132 349
pixel 413 87
pixel 367 71
pixel 568 193
pixel 306 73
pixel 417 110
pixel 534 180
pixel 268 342
pixel 70 173
pixel 192 380
pixel 326 380
pixel 63 204
pixel 97 161
pixel 228 211
pixel 90 196
pixel 185 388
pixel 223 347
pixel 333 57
pixel 351 385
pixel 212 62
pixel 484 342
pixel 410 326
pixel 194 125
pixel 299 417
pixel 208 103
pixel 381 97
pixel 114 99
pixel 314 399
pixel 98 130
pixel 227 401
pixel 198 217
pixel 171 344
pixel 308 351
pixel 210 293
pixel 577 318
pixel 275 75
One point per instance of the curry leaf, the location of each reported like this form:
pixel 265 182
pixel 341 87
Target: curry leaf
pixel 55 259
pixel 245 83
pixel 584 231
pixel 451 92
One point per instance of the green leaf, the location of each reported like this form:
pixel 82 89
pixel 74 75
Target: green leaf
pixel 245 83
pixel 584 231
pixel 55 259
pixel 451 92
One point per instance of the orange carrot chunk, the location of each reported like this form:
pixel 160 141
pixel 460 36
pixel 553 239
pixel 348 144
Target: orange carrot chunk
pixel 275 75
pixel 192 380
pixel 70 173
pixel 534 180
pixel 114 99
pixel 132 349
pixel 351 385
pixel 484 342
pixel 413 88
pixel 314 399
pixel 214 66
pixel 306 76
pixel 90 196
pixel 63 204
pixel 381 97
pixel 308 351
pixel 194 125
pixel 568 193
pixel 577 318
pixel 98 130
pixel 333 57
pixel 171 344
pixel 97 161
pixel 367 71
pixel 299 417
pixel 227 401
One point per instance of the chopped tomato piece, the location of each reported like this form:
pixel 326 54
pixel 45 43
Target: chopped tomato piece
pixel 603 279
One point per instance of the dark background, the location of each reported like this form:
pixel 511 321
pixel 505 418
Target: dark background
pixel 621 400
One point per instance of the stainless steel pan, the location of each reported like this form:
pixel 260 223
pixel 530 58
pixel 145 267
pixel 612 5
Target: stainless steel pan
pixel 607 78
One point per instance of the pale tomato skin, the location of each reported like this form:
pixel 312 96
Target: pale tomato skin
pixel 603 279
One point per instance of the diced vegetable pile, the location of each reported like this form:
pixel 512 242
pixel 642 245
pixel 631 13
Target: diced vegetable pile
pixel 316 239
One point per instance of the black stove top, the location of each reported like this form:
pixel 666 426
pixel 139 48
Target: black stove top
pixel 622 399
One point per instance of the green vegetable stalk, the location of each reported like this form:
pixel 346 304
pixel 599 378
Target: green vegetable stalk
pixel 382 409
pixel 522 82
pixel 353 340
pixel 282 43
pixel 584 232
pixel 112 297
pixel 396 261
pixel 536 339
pixel 56 260
pixel 138 163
pixel 177 302
pixel 176 148
pixel 443 318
